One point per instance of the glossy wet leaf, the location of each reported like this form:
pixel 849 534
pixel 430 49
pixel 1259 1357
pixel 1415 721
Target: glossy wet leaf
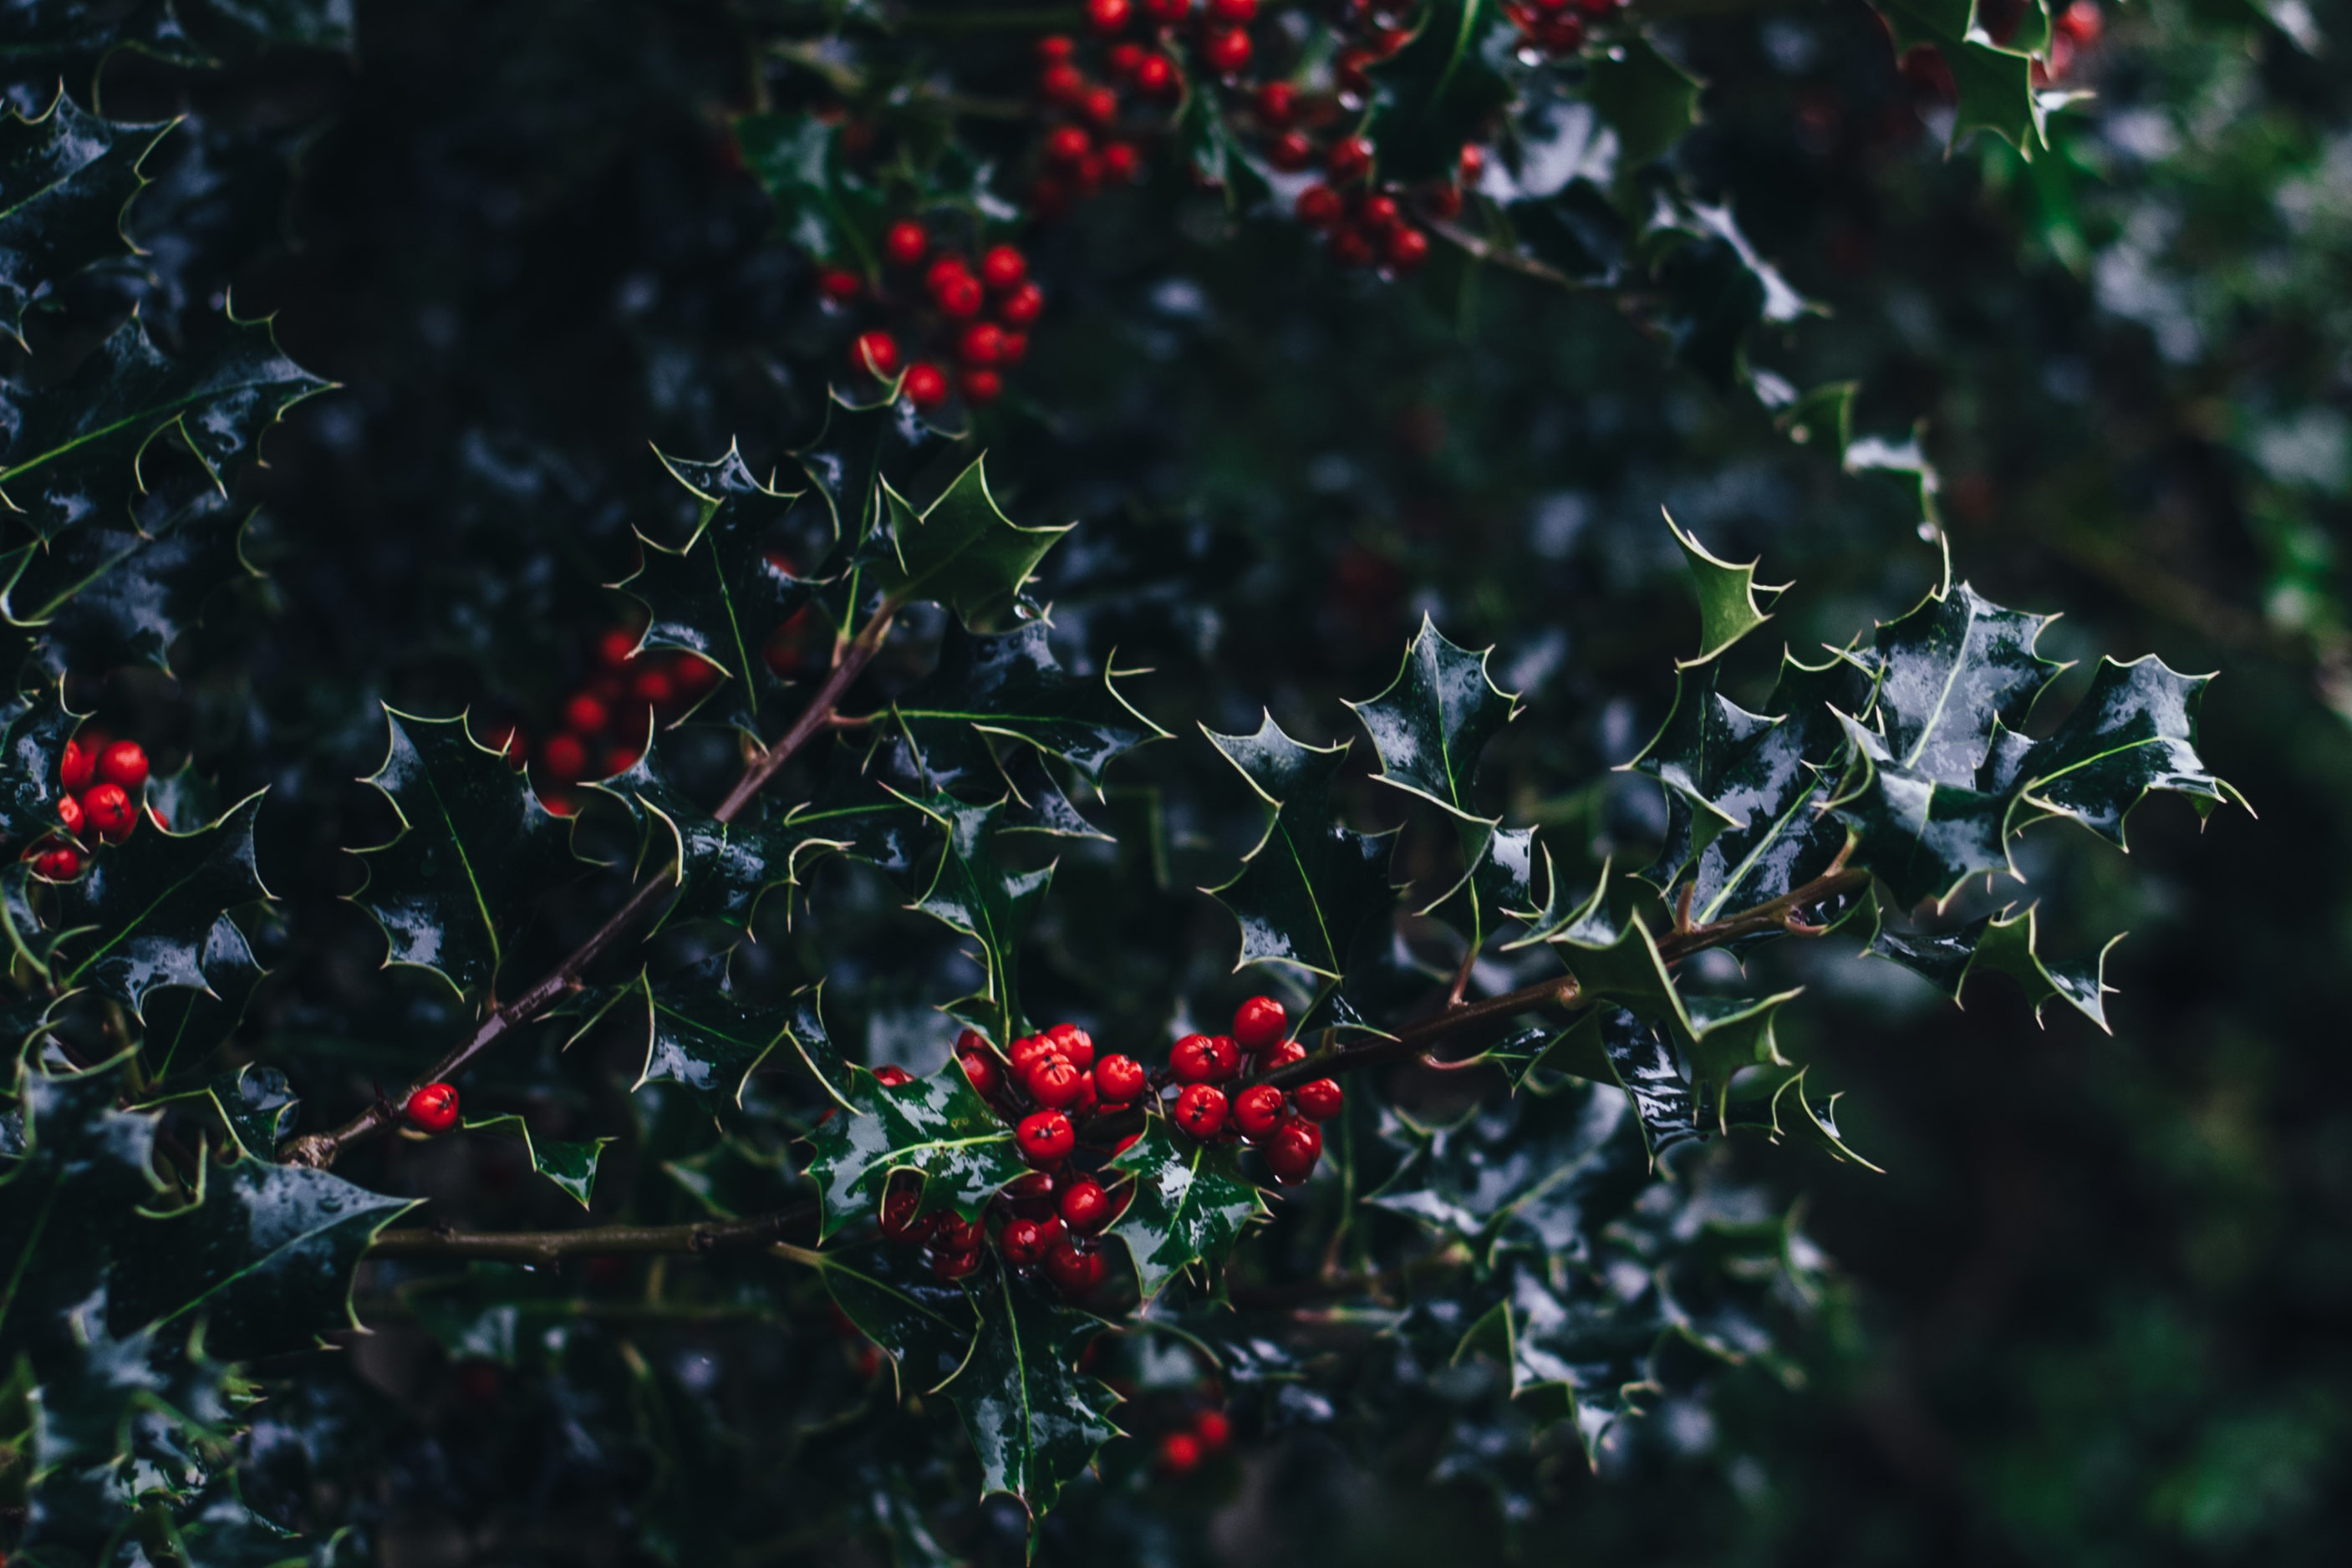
pixel 257 1105
pixel 106 592
pixel 1499 883
pixel 804 1028
pixel 1727 610
pixel 2005 943
pixel 1191 1204
pixel 962 552
pixel 973 890
pixel 1012 685
pixel 721 870
pixel 1542 1173
pixel 570 1164
pixel 723 595
pixel 33 728
pixel 700 1031
pixel 474 849
pixel 852 808
pixel 74 450
pixel 184 1026
pixel 936 1127
pixel 1035 1420
pixel 65 178
pixel 1582 1354
pixel 2133 734
pixel 1433 723
pixel 1310 885
pixel 890 1292
pixel 846 460
pixel 147 908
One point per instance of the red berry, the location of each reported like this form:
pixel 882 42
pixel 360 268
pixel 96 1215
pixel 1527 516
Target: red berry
pixel 1226 1053
pixel 1292 1152
pixel 1560 35
pixel 1045 1137
pixel 123 762
pixel 1167 10
pixel 1350 247
pixel 1283 1054
pixel 1108 16
pixel 1320 206
pixel 1180 1453
pixel 1123 59
pixel 1055 47
pixel 1100 105
pixel 1474 164
pixel 1259 1023
pixel 906 243
pixel 1054 1083
pixel 565 758
pixel 1003 269
pixel 954 1232
pixel 968 1041
pixel 619 646
pixel 1155 77
pixel 1214 1428
pixel 1069 144
pixel 1073 1042
pixel 1257 1110
pixel 1319 1100
pixel 654 686
pixel 1377 211
pixel 1023 306
pixel 78 766
pixel 1239 13
pixel 1407 248
pixel 1193 1060
pixel 1030 1049
pixel 982 343
pixel 1350 159
pixel 877 353
pixel 1119 1078
pixel 981 1071
pixel 1086 1208
pixel 695 674
pixel 899 1221
pixel 925 384
pixel 2082 22
pixel 1349 71
pixel 70 813
pixel 583 715
pixel 62 864
pixel 1226 51
pixel 1061 82
pixel 959 296
pixel 1200 1110
pixel 892 1076
pixel 1442 202
pixel 1277 101
pixel 950 1266
pixel 107 808
pixel 1075 1271
pixel 621 759
pixel 1032 1195
pixel 434 1107
pixel 1025 1242
pixel 1290 152
pixel 838 286
pixel 1120 163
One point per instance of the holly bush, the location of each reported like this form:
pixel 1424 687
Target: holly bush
pixel 913 781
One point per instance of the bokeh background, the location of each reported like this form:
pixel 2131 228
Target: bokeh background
pixel 2094 1309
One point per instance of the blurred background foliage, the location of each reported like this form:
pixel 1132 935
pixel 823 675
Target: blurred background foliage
pixel 2092 1312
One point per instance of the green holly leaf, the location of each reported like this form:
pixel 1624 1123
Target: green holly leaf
pixel 572 1166
pixel 146 909
pixel 186 1026
pixel 1499 883
pixel 1010 685
pixel 1582 1354
pixel 2133 734
pixel 961 551
pixel 1437 92
pixel 1035 1420
pixel 105 594
pixel 2005 943
pixel 852 808
pixel 75 449
pixel 973 891
pixel 734 1179
pixel 804 1026
pixel 1950 673
pixel 1431 725
pixel 890 1292
pixel 700 1030
pixel 33 728
pixel 43 40
pixel 258 1106
pixel 1539 1171
pixel 821 205
pixel 1711 287
pixel 1727 610
pixel 1995 85
pixel 726 591
pixel 1310 885
pixel 721 870
pixel 936 1127
pixel 1645 98
pixel 1191 1204
pixel 846 461
pixel 65 178
pixel 474 849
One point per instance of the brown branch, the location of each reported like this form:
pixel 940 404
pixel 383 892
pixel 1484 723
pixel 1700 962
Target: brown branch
pixel 1451 1023
pixel 591 1241
pixel 322 1149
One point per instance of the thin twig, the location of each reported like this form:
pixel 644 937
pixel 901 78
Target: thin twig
pixel 322 1149
pixel 591 1241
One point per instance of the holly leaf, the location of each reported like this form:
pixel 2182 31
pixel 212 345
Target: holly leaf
pixel 106 595
pixel 1727 610
pixel 1499 882
pixel 258 1106
pixel 2133 734
pixel 700 1031
pixel 845 463
pixel 33 728
pixel 853 809
pixel 1035 1420
pixel 821 205
pixel 936 1127
pixel 1995 86
pixel 923 1326
pixel 572 1166
pixel 973 891
pixel 1190 1207
pixel 1951 672
pixel 961 551
pixel 75 449
pixel 1645 98
pixel 1580 1355
pixel 474 849
pixel 1437 92
pixel 1431 725
pixel 1537 1171
pixel 1309 886
pixel 1012 685
pixel 734 1179
pixel 721 870
pixel 65 178
pixel 2005 943
pixel 147 908
pixel 729 588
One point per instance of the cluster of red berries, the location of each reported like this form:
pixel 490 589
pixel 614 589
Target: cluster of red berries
pixel 433 1109
pixel 1282 1126
pixel 975 317
pixel 1088 145
pixel 104 784
pixel 1204 1436
pixel 1557 27
pixel 601 727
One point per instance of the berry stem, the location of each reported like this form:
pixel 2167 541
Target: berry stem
pixel 319 1149
pixel 591 1241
